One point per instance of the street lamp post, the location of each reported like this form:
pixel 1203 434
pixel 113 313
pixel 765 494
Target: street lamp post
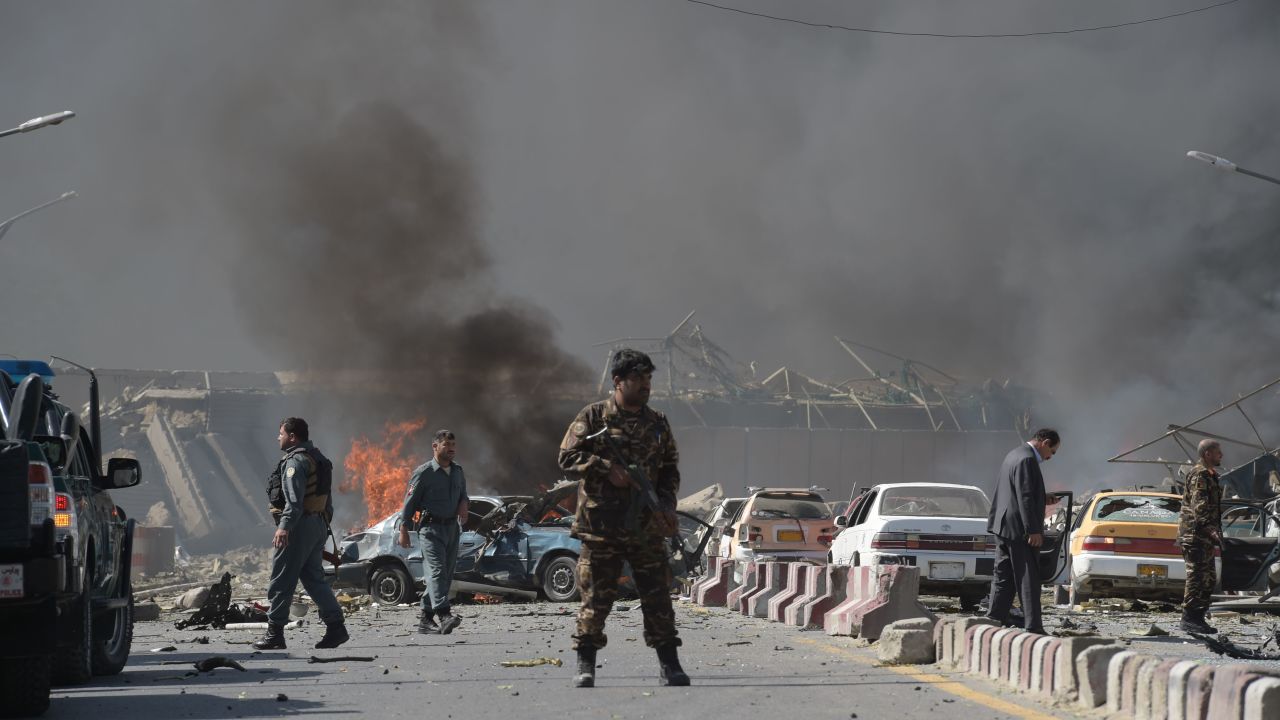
pixel 1226 165
pixel 38 122
pixel 4 226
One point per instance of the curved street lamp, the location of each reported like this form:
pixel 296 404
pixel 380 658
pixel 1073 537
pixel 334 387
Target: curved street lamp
pixel 4 226
pixel 1226 165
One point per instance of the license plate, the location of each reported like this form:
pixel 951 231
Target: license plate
pixel 946 571
pixel 10 581
pixel 790 536
pixel 1153 571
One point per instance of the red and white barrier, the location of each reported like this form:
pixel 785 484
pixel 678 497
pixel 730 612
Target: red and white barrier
pixel 876 596
pixel 797 573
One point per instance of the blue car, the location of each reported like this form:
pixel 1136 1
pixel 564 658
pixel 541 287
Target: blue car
pixel 511 546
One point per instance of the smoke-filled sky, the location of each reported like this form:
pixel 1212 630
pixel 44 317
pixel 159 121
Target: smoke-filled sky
pixel 596 168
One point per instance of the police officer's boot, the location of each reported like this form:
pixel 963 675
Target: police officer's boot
pixel 671 673
pixel 427 624
pixel 334 635
pixel 586 676
pixel 273 640
pixel 1193 622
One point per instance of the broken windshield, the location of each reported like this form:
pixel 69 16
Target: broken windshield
pixel 789 508
pixel 1138 508
pixel 934 501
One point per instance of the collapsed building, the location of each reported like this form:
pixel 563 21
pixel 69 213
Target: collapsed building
pixel 206 440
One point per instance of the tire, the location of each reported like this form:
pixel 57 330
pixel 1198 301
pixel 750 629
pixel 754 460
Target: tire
pixel 560 579
pixel 113 636
pixel 1074 596
pixel 73 663
pixel 24 685
pixel 391 585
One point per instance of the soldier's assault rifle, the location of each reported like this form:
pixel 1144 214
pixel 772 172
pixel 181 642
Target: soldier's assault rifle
pixel 642 493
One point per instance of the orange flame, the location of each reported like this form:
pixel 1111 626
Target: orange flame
pixel 381 469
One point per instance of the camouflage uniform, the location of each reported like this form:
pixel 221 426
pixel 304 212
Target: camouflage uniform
pixel 645 439
pixel 1201 516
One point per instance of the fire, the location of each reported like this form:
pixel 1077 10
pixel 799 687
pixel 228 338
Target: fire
pixel 380 469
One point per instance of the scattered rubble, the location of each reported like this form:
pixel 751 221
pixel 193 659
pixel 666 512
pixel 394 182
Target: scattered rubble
pixel 210 664
pixel 532 663
pixel 907 642
pixel 1223 646
pixel 344 658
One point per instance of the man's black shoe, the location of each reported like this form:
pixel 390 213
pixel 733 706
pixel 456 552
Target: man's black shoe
pixel 586 676
pixel 273 640
pixel 448 623
pixel 670 672
pixel 334 635
pixel 427 625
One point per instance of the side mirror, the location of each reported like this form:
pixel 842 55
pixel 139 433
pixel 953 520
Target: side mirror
pixel 70 432
pixel 842 521
pixel 123 473
pixel 55 450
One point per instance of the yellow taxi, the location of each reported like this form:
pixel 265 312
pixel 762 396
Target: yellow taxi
pixel 1124 545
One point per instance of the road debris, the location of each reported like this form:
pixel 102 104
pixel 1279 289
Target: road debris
pixel 166 648
pixel 1153 631
pixel 344 658
pixel 1222 646
pixel 210 664
pixel 532 663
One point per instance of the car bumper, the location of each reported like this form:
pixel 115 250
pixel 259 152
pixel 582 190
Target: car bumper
pixel 28 623
pixel 938 569
pixel 1097 571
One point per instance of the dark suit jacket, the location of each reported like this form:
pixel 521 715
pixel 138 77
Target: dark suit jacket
pixel 1017 507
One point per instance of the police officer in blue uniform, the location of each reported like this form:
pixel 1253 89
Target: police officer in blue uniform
pixel 299 495
pixel 438 493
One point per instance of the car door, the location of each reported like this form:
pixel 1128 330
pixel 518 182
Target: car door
pixel 1054 550
pixel 1247 552
pixel 863 526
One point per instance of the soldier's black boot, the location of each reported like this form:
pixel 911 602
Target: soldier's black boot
pixel 1193 622
pixel 586 676
pixel 671 672
pixel 334 635
pixel 427 624
pixel 273 640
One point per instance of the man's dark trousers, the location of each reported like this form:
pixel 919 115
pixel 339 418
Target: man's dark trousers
pixel 1017 572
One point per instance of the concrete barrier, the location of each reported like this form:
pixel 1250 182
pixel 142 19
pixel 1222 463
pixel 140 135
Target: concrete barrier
pixel 1262 699
pixel 828 590
pixel 1066 671
pixel 876 596
pixel 815 584
pixel 907 642
pixel 744 581
pixel 713 590
pixel 771 581
pixel 1177 684
pixel 796 574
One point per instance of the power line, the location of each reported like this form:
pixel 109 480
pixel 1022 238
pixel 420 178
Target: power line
pixel 876 31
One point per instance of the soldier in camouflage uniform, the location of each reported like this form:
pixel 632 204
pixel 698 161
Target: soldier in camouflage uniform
pixel 643 436
pixel 1199 534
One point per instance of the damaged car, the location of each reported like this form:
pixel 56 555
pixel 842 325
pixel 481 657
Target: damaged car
pixel 511 545
pixel 1124 545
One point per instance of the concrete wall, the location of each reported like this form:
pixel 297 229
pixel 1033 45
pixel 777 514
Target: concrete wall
pixel 839 460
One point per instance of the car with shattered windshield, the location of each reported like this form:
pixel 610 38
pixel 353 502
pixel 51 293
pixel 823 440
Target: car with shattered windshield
pixel 1124 544
pixel 510 545
pixel 940 528
pixel 779 524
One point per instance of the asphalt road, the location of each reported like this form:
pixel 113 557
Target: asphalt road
pixel 740 668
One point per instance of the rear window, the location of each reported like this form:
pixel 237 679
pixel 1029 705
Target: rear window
pixel 1137 508
pixel 934 502
pixel 786 508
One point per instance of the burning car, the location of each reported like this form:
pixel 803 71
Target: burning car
pixel 511 545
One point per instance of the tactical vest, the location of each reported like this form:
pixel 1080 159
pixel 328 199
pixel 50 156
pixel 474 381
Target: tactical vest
pixel 319 483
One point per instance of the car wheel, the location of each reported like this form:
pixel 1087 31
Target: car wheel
pixel 1075 595
pixel 560 579
pixel 113 636
pixel 24 685
pixel 391 585
pixel 73 662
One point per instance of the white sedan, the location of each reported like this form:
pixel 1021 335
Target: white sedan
pixel 938 527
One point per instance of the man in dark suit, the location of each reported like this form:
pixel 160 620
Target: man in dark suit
pixel 1017 521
